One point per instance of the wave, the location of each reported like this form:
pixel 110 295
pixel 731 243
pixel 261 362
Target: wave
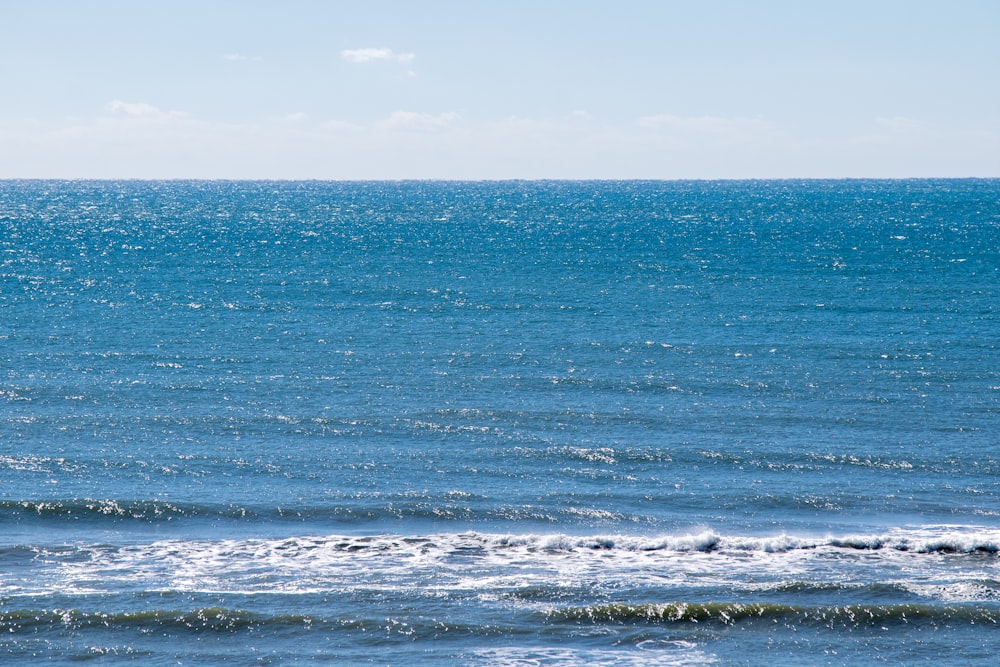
pixel 945 539
pixel 924 540
pixel 953 564
pixel 931 539
pixel 88 509
pixel 731 613
pixel 223 620
pixel 208 618
pixel 455 506
pixel 231 621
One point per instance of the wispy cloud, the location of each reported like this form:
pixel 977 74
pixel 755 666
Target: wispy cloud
pixel 372 55
pixel 138 139
pixel 140 110
pixel 412 120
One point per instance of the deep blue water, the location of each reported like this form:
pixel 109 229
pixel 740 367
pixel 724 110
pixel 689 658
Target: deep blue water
pixel 511 423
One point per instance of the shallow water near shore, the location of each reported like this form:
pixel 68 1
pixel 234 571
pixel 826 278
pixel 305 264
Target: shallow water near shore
pixel 500 423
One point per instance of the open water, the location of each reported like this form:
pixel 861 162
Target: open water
pixel 507 423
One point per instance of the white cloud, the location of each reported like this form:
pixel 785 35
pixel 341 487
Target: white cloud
pixel 132 108
pixel 412 120
pixel 370 55
pixel 137 139
pixel 140 110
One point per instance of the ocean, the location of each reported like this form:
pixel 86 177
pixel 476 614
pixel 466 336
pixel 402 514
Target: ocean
pixel 500 423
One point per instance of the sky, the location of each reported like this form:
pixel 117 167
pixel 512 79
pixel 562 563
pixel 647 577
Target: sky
pixel 619 89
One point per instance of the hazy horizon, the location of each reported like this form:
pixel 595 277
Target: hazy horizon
pixel 520 91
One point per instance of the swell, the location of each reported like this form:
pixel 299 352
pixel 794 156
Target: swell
pixel 941 539
pixel 732 613
pixel 88 509
pixel 928 540
pixel 223 620
pixel 458 508
pixel 207 618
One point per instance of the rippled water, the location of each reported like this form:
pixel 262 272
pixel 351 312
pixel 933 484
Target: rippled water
pixel 506 423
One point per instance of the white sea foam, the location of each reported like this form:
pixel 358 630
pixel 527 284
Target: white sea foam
pixel 492 563
pixel 664 653
pixel 958 591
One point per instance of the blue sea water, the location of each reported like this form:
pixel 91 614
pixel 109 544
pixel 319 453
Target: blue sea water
pixel 500 423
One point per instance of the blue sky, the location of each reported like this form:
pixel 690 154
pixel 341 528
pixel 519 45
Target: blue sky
pixel 482 90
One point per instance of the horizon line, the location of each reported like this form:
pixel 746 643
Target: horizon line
pixel 105 179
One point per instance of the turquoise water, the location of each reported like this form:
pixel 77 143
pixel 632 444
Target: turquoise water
pixel 514 423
